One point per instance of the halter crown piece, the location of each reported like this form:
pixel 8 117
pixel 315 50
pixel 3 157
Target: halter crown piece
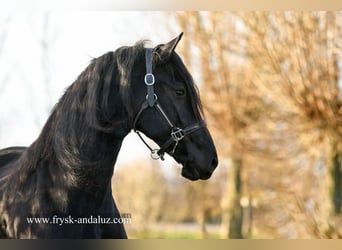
pixel 176 134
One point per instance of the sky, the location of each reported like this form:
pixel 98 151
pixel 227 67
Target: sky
pixel 42 53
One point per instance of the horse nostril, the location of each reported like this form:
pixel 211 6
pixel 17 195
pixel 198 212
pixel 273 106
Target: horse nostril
pixel 214 162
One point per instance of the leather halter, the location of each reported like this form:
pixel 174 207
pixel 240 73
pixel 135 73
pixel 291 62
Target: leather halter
pixel 176 133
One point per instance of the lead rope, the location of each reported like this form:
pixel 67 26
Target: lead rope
pixel 154 151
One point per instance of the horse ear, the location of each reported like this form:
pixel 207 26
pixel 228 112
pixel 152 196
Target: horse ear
pixel 165 50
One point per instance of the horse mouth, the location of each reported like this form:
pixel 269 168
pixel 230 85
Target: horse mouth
pixel 193 174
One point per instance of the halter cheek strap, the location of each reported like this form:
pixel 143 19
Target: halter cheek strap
pixel 149 77
pixel 176 134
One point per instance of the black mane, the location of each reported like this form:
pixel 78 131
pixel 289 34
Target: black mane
pixel 85 107
pixel 68 169
pixel 182 72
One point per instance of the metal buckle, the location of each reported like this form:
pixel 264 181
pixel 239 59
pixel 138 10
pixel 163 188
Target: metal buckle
pixel 149 79
pixel 177 134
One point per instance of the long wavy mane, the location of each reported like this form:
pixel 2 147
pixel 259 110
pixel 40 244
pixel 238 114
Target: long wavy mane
pixel 86 113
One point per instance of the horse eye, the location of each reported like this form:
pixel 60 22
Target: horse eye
pixel 180 92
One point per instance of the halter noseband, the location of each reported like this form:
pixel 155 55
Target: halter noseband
pixel 176 134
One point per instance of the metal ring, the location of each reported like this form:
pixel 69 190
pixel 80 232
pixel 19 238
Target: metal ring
pixel 147 77
pixel 155 97
pixel 154 154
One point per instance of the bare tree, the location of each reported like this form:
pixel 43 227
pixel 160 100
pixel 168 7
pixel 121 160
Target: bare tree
pixel 47 40
pixel 301 52
pixel 232 105
pixel 45 33
pixel 3 35
pixel 270 85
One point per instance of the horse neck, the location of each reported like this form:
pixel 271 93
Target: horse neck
pixel 83 155
pixel 73 138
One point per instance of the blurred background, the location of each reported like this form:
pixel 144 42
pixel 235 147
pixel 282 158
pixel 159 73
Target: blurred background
pixel 271 87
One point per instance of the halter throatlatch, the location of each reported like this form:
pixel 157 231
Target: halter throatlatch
pixel 176 134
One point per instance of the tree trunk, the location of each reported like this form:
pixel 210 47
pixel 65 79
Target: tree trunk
pixel 336 167
pixel 202 222
pixel 236 211
pixel 337 181
pixel 247 225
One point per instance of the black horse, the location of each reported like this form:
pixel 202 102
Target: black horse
pixel 66 173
